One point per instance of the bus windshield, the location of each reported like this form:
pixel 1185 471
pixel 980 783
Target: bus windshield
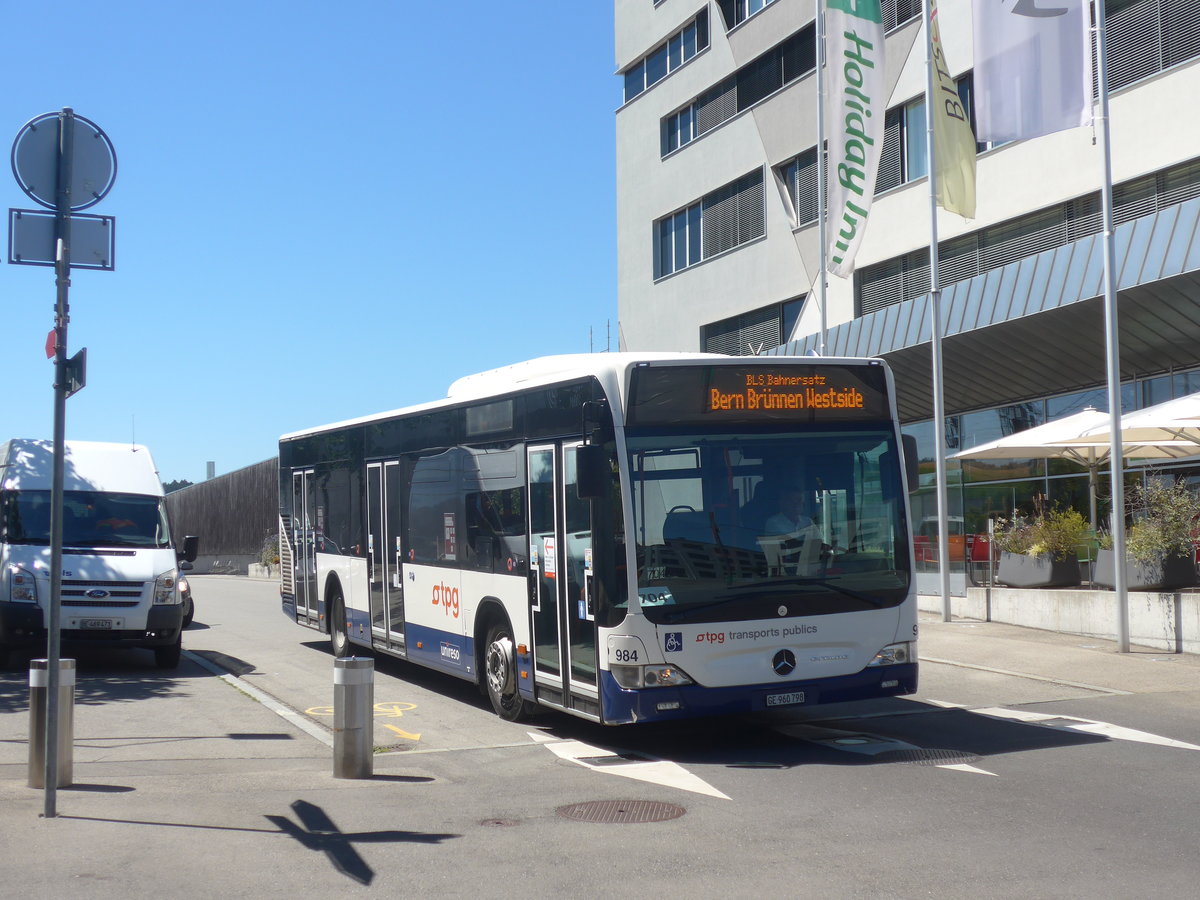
pixel 90 519
pixel 757 523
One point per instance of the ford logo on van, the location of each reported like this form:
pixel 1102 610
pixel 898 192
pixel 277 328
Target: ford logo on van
pixel 97 594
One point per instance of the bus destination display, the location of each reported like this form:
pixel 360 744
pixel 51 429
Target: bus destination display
pixel 808 394
pixel 773 390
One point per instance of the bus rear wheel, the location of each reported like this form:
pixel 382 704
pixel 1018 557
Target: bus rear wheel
pixel 338 642
pixel 500 674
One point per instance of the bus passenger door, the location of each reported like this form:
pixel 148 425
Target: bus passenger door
pixel 376 553
pixel 303 542
pixel 392 551
pixel 580 612
pixel 560 579
pixel 384 555
pixel 544 569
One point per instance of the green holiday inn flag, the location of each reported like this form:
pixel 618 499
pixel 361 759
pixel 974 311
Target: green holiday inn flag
pixel 854 111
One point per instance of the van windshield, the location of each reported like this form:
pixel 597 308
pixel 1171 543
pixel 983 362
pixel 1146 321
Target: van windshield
pixel 90 519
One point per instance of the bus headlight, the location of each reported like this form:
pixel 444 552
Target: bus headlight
pixel 895 654
pixel 631 677
pixel 22 586
pixel 166 588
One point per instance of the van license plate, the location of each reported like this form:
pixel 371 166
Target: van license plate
pixel 790 699
pixel 96 624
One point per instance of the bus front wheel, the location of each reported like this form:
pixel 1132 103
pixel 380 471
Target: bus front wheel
pixel 500 672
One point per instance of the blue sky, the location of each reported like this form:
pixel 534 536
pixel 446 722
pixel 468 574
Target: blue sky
pixel 322 210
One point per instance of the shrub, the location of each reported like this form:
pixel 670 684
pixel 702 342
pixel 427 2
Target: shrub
pixel 269 555
pixel 1056 533
pixel 1164 521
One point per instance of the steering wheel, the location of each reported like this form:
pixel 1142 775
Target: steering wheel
pixel 682 507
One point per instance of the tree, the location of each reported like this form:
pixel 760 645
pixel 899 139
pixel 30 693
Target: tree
pixel 169 486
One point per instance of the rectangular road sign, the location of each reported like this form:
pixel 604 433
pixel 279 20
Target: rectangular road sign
pixel 31 239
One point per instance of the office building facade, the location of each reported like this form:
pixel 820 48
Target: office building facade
pixel 717 224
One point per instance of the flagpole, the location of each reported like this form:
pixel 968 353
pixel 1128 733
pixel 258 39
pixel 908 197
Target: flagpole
pixel 822 176
pixel 1112 343
pixel 935 302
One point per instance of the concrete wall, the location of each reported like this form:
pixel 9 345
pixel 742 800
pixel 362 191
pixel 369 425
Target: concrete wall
pixel 1167 622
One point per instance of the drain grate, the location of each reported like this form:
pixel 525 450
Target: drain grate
pixel 621 811
pixel 924 757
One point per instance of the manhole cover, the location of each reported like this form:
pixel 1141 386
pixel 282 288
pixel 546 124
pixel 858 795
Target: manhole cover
pixel 621 811
pixel 922 757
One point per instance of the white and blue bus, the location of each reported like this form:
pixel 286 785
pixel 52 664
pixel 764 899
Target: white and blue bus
pixel 623 537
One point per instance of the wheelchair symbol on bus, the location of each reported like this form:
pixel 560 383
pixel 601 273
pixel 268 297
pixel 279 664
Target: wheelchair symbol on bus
pixel 673 642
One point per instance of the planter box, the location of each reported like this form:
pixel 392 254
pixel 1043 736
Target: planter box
pixel 1021 570
pixel 1172 573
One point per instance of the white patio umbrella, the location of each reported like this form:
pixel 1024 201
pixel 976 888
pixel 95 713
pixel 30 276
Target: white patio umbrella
pixel 1173 425
pixel 1070 438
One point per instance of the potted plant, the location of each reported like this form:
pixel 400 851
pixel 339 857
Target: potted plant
pixel 1040 550
pixel 1160 544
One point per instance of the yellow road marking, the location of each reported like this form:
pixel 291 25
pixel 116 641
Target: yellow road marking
pixel 389 709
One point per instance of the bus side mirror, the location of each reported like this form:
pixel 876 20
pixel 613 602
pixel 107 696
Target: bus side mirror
pixel 191 545
pixel 592 472
pixel 912 462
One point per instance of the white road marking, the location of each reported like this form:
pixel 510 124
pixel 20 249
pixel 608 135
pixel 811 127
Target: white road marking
pixel 1085 726
pixel 864 744
pixel 654 771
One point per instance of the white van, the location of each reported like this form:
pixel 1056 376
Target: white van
pixel 120 568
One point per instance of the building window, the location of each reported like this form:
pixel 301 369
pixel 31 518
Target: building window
pixel 1147 36
pixel 750 333
pixel 799 176
pixel 896 12
pixel 722 220
pixel 779 66
pixel 903 156
pixel 735 12
pixel 667 57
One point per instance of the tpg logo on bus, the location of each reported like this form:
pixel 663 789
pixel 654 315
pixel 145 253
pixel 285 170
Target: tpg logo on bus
pixel 447 598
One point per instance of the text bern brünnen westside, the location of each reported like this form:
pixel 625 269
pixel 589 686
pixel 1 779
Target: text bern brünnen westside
pixel 767 391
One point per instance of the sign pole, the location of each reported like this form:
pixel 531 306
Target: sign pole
pixel 62 270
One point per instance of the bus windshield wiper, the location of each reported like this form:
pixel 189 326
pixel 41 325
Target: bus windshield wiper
pixel 845 591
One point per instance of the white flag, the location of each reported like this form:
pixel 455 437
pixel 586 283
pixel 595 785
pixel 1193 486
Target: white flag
pixel 1033 67
pixel 854 110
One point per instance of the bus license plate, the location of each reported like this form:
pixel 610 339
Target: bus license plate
pixel 789 699
pixel 96 624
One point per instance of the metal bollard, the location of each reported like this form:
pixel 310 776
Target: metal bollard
pixel 353 717
pixel 39 696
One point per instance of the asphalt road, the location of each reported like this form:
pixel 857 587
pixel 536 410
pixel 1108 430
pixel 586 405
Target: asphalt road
pixel 1029 765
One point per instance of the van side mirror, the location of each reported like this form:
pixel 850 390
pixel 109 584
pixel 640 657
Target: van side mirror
pixel 592 472
pixel 191 546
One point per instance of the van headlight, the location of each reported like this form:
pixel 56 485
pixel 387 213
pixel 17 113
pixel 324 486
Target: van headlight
pixel 895 654
pixel 22 586
pixel 632 677
pixel 166 588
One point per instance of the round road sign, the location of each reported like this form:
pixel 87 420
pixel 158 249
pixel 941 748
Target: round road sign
pixel 35 161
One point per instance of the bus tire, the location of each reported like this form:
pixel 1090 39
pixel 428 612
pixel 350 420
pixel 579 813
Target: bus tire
pixel 168 657
pixel 500 674
pixel 339 643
